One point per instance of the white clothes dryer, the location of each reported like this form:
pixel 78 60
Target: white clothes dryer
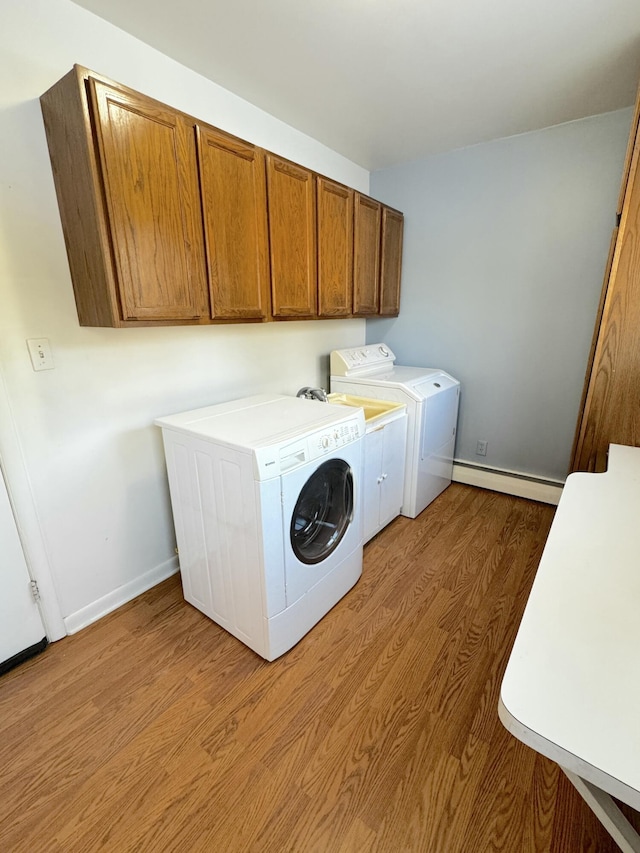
pixel 432 398
pixel 266 500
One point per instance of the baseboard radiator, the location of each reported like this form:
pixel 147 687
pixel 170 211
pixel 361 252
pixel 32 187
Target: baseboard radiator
pixel 508 482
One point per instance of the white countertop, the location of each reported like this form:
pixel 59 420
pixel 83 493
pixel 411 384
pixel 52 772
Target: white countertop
pixel 571 689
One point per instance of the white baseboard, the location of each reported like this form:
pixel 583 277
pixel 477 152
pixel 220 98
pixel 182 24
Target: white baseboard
pixel 509 482
pixel 97 609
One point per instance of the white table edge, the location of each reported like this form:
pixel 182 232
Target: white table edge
pixel 595 787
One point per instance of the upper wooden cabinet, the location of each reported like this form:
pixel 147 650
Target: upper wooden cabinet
pixel 610 408
pixel 335 248
pixel 390 261
pixel 292 238
pixel 234 207
pixel 148 167
pixel 127 183
pixel 168 220
pixel 366 255
pixel 377 258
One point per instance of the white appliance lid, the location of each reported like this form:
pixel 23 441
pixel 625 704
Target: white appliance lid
pixel 260 420
pixel 408 376
pixel 415 383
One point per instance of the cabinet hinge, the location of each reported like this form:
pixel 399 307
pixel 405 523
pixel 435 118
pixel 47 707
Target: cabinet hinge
pixel 35 592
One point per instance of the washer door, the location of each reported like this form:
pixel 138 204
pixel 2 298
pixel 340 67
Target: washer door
pixel 323 512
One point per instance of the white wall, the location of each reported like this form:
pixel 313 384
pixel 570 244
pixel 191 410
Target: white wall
pixel 504 255
pixel 83 461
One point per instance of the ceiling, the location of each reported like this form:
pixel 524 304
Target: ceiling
pixel 388 81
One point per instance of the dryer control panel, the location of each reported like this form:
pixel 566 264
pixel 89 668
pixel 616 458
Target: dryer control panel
pixel 346 362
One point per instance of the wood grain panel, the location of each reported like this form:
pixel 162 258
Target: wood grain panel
pixel 234 201
pixel 610 405
pixel 579 438
pixel 391 261
pixel 292 238
pixel 154 729
pixel 366 258
pixel 68 127
pixel 612 400
pixel 632 144
pixel 148 159
pixel 335 248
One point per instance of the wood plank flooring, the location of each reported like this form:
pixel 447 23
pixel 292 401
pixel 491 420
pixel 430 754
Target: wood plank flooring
pixel 154 730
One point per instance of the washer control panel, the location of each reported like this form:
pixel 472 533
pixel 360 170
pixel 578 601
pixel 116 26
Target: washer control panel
pixel 337 436
pixel 313 446
pixel 345 362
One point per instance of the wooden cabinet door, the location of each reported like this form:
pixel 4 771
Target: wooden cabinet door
pixel 610 410
pixel 390 261
pixel 292 238
pixel 366 256
pixel 147 155
pixel 335 248
pixel 580 454
pixel 234 206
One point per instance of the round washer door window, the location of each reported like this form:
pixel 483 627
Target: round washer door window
pixel 323 512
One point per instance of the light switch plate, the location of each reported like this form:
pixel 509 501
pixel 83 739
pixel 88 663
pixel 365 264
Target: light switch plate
pixel 40 352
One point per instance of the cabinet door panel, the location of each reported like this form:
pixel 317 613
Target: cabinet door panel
pixel 371 482
pixel 148 159
pixel 292 238
pixel 611 411
pixel 234 203
pixel 391 261
pixel 366 261
pixel 393 460
pixel 335 249
pixel 580 460
pixel 631 146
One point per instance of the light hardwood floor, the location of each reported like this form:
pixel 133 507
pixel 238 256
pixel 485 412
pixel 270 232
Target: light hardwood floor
pixel 154 730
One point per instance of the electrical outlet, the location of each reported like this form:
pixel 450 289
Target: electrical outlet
pixel 481 448
pixel 40 352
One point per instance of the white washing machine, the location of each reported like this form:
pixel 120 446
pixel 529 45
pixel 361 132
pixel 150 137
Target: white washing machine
pixel 266 499
pixel 432 398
